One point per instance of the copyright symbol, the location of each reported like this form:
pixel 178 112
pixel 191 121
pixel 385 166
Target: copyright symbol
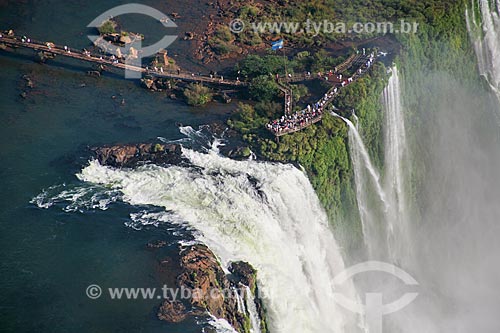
pixel 236 26
pixel 93 291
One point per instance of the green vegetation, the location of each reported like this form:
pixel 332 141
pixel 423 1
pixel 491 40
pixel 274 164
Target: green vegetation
pixel 107 27
pixel 247 121
pixel 322 149
pixel 440 51
pixel 197 94
pixel 264 88
pixel 270 65
pixel 299 91
pixel 441 45
pixel 222 42
pixel 157 148
pixel 364 97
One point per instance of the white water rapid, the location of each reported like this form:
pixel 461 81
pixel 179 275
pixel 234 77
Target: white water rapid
pixel 263 213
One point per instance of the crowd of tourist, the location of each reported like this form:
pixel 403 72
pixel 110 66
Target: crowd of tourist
pixel 296 121
pixel 303 118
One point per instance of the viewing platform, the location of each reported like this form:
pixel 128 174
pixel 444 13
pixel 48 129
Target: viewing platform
pixel 294 122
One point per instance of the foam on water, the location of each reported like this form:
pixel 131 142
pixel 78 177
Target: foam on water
pixel 76 198
pixel 263 213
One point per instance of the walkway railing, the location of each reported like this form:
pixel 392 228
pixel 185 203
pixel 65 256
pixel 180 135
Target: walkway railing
pixel 51 48
pixel 291 123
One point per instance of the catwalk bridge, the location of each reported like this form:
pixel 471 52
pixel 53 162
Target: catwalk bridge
pixel 12 42
pixel 289 123
pixel 9 43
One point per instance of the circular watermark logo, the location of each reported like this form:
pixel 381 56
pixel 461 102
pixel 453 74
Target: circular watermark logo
pixel 93 291
pixel 237 26
pixel 142 52
pixel 374 309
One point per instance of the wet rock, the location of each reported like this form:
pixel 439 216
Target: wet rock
pixel 189 35
pixel 172 311
pixel 29 81
pixel 94 73
pixel 238 153
pixel 149 83
pixel 156 84
pixel 156 244
pixel 131 155
pixel 223 98
pixel 213 290
pixel 201 271
pixel 244 273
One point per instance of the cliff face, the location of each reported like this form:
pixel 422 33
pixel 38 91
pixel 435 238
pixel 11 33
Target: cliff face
pixel 212 290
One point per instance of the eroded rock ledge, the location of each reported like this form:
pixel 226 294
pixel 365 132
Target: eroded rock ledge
pixel 132 155
pixel 213 290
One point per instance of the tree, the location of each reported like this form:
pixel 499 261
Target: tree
pixel 263 88
pixel 107 27
pixel 197 94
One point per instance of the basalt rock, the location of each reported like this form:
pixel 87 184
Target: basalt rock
pixel 189 35
pixel 157 84
pixel 244 272
pixel 213 290
pixel 132 155
pixel 172 311
pixel 239 153
pixel 156 244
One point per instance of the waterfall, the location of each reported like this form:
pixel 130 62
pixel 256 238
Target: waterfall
pixel 366 176
pixel 483 24
pixel 252 311
pixel 245 301
pixel 395 167
pixel 383 220
pixel 263 213
pixel 239 300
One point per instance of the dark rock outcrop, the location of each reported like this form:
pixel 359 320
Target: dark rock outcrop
pixel 172 311
pixel 158 84
pixel 213 290
pixel 156 244
pixel 244 272
pixel 132 155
